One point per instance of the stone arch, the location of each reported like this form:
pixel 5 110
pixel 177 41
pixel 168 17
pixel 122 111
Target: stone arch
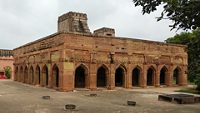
pixel 26 74
pixel 177 75
pixel 31 75
pixel 56 76
pixel 102 76
pixel 45 76
pixel 120 74
pixel 136 74
pixel 38 74
pixel 151 76
pixel 16 73
pixel 81 74
pixel 21 79
pixel 163 75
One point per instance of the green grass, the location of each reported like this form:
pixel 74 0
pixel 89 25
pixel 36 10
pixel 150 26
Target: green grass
pixel 189 90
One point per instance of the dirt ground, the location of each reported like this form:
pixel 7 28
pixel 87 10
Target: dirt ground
pixel 21 98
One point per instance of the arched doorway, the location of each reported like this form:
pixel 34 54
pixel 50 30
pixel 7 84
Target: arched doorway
pixel 163 75
pixel 150 76
pixel 102 76
pixel 31 75
pixel 55 76
pixel 176 76
pixel 45 76
pixel 135 77
pixel 16 73
pixel 119 77
pixel 26 75
pixel 21 79
pixel 38 74
pixel 80 76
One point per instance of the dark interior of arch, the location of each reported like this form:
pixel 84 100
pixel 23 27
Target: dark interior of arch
pixel 135 77
pixel 119 77
pixel 56 76
pixel 80 77
pixel 162 76
pixel 150 74
pixel 32 75
pixel 26 75
pixel 38 74
pixel 45 71
pixel 175 76
pixel 101 77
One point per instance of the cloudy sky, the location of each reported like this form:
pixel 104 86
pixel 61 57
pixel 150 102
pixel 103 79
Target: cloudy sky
pixel 23 21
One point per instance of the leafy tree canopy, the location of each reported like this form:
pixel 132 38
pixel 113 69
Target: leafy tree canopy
pixel 185 14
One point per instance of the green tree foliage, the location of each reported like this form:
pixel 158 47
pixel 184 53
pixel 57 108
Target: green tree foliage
pixel 185 14
pixel 7 72
pixel 192 40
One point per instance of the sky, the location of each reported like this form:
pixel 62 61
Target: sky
pixel 23 21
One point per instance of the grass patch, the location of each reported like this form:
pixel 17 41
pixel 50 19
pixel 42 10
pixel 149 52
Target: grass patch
pixel 188 90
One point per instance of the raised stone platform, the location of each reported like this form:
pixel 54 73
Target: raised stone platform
pixel 179 98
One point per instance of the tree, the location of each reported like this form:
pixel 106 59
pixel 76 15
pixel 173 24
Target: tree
pixel 185 14
pixel 192 40
pixel 7 72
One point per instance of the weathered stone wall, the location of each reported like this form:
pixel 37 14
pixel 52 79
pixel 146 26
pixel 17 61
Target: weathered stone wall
pixel 73 22
pixel 68 52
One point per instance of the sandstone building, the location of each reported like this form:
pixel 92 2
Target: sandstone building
pixel 76 58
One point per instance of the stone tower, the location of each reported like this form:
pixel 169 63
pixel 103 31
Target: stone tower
pixel 106 32
pixel 73 22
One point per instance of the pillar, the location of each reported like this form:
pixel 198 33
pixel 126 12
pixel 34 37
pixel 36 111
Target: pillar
pixel 157 77
pixel 67 76
pixel 92 77
pixel 128 76
pixel 143 77
pixel 111 77
pixel 170 76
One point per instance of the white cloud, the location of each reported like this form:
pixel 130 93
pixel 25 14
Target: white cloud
pixel 27 20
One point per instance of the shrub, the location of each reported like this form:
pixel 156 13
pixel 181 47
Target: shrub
pixel 197 82
pixel 8 72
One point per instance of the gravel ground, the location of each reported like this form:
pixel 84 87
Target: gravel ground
pixel 21 98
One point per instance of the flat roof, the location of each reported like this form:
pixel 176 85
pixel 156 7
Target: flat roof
pixel 91 35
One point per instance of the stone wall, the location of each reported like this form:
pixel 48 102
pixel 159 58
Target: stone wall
pixel 70 52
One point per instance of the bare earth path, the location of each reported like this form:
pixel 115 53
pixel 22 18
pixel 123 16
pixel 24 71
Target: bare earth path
pixel 20 98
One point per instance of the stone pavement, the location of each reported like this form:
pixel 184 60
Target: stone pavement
pixel 20 98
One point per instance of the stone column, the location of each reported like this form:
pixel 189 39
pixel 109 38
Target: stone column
pixel 50 66
pixel 92 81
pixel 157 77
pixel 111 78
pixel 183 76
pixel 128 77
pixel 143 77
pixel 170 76
pixel 67 80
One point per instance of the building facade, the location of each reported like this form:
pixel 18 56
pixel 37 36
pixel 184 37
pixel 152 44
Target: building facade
pixel 6 62
pixel 76 58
